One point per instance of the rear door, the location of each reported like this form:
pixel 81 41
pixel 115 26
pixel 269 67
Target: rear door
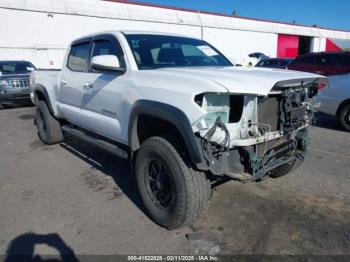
pixel 339 78
pixel 73 77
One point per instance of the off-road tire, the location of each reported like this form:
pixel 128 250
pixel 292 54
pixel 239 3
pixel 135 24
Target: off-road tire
pixel 282 170
pixel 190 189
pixel 285 168
pixel 49 129
pixel 344 117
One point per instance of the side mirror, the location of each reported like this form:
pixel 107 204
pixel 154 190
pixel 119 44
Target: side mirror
pixel 108 63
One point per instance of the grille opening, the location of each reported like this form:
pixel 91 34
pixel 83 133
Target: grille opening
pixel 283 111
pixel 19 83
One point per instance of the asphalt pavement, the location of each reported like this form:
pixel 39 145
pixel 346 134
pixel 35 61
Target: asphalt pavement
pixel 72 198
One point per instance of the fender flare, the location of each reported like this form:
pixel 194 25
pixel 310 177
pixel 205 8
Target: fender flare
pixel 42 89
pixel 169 114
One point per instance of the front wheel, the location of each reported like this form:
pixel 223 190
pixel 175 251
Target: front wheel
pixel 344 117
pixel 284 169
pixel 173 193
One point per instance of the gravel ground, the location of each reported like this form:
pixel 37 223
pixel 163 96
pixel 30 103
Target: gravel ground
pixel 75 199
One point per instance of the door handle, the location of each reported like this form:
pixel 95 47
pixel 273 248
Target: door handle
pixel 88 86
pixel 63 82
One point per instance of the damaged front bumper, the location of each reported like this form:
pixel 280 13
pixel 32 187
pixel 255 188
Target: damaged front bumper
pixel 271 131
pixel 255 161
pixel 292 149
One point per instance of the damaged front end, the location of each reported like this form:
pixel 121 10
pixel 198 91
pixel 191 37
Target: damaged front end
pixel 248 136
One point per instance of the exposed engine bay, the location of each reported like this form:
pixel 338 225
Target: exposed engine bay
pixel 252 135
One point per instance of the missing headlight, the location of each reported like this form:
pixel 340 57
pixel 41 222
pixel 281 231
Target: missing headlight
pixel 228 108
pixel 236 108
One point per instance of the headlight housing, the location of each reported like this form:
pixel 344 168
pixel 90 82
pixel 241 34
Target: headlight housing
pixel 4 83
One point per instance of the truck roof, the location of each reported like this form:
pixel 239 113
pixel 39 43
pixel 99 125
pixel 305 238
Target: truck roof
pixel 129 32
pixel 137 32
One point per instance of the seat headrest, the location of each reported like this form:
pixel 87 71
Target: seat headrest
pixel 167 55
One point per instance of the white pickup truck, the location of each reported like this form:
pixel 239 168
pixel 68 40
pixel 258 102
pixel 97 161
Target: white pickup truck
pixel 180 111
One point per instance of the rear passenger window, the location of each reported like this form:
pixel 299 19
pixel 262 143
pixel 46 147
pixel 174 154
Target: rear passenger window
pixel 328 59
pixel 78 57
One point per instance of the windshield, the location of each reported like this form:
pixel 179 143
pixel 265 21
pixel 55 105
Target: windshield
pixel 158 51
pixel 13 67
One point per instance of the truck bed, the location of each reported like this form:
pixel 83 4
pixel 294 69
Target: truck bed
pixel 46 77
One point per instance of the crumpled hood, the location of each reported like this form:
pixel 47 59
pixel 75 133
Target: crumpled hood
pixel 243 80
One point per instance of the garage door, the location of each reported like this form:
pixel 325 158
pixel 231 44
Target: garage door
pixel 287 46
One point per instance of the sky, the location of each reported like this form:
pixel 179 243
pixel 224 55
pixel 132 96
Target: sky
pixel 333 14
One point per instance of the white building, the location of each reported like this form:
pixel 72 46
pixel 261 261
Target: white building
pixel 40 30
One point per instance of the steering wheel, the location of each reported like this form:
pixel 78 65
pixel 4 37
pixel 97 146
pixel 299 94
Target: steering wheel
pixel 195 61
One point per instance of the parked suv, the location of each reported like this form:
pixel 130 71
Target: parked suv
pixel 14 82
pixel 335 99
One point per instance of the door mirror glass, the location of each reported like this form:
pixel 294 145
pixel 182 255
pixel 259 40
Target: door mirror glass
pixel 106 63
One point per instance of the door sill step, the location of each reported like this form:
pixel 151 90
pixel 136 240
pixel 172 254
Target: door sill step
pixel 99 142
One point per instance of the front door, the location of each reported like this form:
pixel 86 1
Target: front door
pixel 104 92
pixel 90 99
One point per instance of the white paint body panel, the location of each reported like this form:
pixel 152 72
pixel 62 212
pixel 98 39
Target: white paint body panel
pixel 105 108
pixel 48 79
pixel 238 80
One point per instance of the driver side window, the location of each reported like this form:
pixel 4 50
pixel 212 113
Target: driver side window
pixel 104 47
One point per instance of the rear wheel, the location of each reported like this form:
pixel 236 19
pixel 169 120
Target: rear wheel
pixel 173 193
pixel 49 129
pixel 344 117
pixel 1 107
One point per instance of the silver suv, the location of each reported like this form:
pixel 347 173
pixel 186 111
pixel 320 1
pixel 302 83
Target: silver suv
pixel 14 82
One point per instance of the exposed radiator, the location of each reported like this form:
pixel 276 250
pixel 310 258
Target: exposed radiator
pixel 268 108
